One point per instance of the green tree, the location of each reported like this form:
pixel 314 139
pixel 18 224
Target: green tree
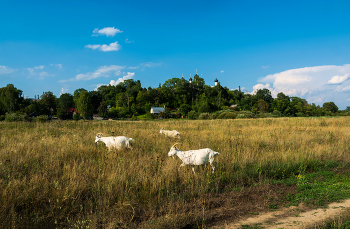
pixel 102 109
pixel 10 98
pixel 48 103
pixel 84 105
pixel 330 106
pixel 65 102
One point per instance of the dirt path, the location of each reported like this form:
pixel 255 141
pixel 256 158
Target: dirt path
pixel 292 217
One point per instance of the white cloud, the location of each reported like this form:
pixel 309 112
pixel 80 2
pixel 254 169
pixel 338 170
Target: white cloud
pixel 5 70
pixel 133 67
pixel 150 64
pixel 317 84
pixel 103 71
pixel 57 65
pixel 105 48
pixel 108 31
pixel 338 79
pixel 222 71
pixel 127 41
pixel 128 76
pixel 264 67
pixel 63 90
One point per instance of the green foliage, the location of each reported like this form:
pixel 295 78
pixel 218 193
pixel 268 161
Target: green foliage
pixel 84 105
pixel 76 116
pixel 14 117
pixel 48 103
pixel 330 106
pixel 184 109
pixel 192 115
pixel 204 116
pixel 276 113
pixel 42 118
pixel 241 116
pixel 227 115
pixel 2 117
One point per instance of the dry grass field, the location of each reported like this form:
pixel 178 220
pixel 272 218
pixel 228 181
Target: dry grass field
pixel 53 175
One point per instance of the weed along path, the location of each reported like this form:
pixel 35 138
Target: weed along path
pixel 299 216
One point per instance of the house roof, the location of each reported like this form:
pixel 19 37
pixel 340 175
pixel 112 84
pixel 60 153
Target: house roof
pixel 157 110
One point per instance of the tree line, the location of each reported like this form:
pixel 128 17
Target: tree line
pixel 129 99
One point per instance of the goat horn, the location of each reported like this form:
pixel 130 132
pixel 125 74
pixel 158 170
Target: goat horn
pixel 175 144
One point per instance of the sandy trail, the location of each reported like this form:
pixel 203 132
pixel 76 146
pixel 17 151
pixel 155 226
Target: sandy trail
pixel 292 217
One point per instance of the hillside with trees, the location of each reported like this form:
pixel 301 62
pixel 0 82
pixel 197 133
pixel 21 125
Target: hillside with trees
pixel 192 99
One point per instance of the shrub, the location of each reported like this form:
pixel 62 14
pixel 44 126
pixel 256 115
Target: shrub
pixel 13 117
pixel 192 115
pixel 230 115
pixel 2 117
pixel 42 118
pixel 241 116
pixel 276 113
pixel 299 114
pixel 227 115
pixel 248 114
pixel 76 116
pixel 212 116
pixel 204 116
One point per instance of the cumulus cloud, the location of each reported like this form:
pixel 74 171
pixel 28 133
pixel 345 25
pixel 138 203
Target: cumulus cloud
pixel 105 48
pixel 338 79
pixel 150 64
pixel 128 76
pixel 5 70
pixel 103 71
pixel 108 31
pixel 317 84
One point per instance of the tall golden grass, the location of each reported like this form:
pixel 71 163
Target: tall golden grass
pixel 54 175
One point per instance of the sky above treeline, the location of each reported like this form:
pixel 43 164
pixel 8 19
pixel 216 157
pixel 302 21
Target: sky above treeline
pixel 300 48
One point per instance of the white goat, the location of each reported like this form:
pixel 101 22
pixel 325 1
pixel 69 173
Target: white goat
pixel 194 157
pixel 170 133
pixel 114 142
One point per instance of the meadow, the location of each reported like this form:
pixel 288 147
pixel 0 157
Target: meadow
pixel 53 175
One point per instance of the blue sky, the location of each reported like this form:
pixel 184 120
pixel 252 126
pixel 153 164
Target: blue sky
pixel 300 48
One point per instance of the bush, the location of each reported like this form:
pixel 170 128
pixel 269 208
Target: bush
pixel 241 116
pixel 42 118
pixel 204 116
pixel 227 115
pixel 230 115
pixel 299 114
pixel 76 116
pixel 276 113
pixel 212 116
pixel 204 108
pixel 192 115
pixel 184 109
pixel 2 117
pixel 248 114
pixel 13 117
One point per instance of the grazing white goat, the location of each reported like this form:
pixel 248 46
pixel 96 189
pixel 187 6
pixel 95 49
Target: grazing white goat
pixel 114 142
pixel 194 157
pixel 170 133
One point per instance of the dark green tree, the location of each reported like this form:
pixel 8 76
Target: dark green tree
pixel 84 105
pixel 48 103
pixel 64 103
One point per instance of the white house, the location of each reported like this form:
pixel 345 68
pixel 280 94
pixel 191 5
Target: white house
pixel 157 110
